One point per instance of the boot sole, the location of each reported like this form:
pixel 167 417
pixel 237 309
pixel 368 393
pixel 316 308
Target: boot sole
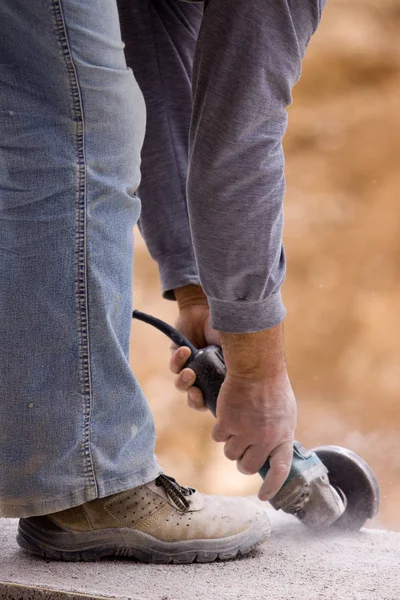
pixel 60 543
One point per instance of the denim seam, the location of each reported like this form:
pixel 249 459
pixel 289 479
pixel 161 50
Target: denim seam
pixel 81 240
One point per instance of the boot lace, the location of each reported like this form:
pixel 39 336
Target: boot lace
pixel 177 493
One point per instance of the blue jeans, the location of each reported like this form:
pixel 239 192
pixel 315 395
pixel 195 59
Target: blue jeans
pixel 74 422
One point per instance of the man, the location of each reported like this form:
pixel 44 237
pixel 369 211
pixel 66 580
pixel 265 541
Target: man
pixel 77 436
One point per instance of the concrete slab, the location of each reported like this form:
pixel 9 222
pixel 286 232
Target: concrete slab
pixel 294 564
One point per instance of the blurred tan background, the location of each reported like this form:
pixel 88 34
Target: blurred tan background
pixel 342 237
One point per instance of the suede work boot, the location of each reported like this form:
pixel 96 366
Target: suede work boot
pixel 159 522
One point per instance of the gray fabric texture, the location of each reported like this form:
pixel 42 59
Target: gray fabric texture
pixel 217 83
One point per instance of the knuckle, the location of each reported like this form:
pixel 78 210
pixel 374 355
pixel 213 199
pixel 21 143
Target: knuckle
pixel 231 451
pixel 195 405
pixel 247 469
pixel 218 434
pixel 248 466
pixel 192 401
pixel 179 384
pixel 230 455
pixel 195 395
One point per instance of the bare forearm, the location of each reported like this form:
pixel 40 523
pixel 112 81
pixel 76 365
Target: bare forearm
pixel 251 356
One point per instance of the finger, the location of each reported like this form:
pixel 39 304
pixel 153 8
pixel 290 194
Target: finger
pixel 185 380
pixel 252 460
pixel 178 359
pixel 234 449
pixel 280 462
pixel 195 399
pixel 219 434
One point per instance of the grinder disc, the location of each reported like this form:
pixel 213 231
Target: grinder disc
pixel 354 478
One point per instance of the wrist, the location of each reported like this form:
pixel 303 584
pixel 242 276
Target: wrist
pixel 190 295
pixel 259 355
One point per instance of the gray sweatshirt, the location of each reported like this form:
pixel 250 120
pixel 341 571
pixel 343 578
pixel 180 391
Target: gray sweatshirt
pixel 212 211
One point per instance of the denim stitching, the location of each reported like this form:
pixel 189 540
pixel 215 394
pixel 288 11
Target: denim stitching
pixel 80 249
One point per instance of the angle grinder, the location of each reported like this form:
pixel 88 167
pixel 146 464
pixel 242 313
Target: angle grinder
pixel 327 486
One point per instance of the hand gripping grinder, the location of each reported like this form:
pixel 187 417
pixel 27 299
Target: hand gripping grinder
pixel 327 486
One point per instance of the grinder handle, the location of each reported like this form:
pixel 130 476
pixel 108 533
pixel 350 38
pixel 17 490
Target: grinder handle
pixel 209 367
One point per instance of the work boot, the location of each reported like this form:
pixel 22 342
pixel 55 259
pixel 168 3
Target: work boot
pixel 159 522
